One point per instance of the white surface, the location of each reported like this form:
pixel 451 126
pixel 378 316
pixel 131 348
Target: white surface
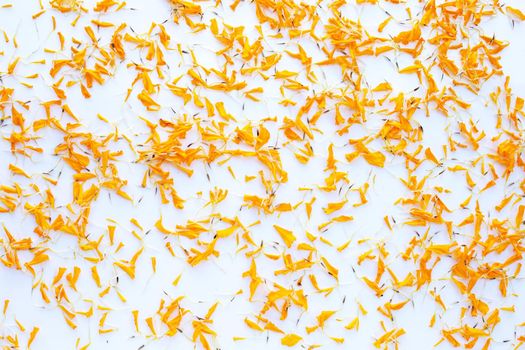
pixel 219 278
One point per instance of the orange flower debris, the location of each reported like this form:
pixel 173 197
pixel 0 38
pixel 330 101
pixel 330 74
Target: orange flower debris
pixel 217 174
